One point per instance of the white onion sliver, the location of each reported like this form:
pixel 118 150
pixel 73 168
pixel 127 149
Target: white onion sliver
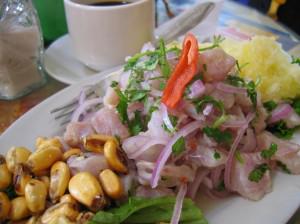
pixel 231 89
pixel 148 145
pixel 83 107
pixel 229 162
pixel 197 89
pixel 166 152
pixel 179 203
pixel 281 112
pixel 166 118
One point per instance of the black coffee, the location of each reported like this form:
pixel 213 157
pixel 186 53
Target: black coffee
pixel 111 3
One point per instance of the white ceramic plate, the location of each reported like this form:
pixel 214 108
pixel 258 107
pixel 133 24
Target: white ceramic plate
pixel 60 63
pixel 274 208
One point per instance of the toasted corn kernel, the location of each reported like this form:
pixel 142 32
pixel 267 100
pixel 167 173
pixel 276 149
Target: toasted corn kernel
pixel 42 143
pixel 85 188
pixel 16 155
pixel 22 176
pixel 44 159
pixel 4 206
pixel 111 184
pixel 71 152
pixel 84 217
pixel 34 220
pixel 114 157
pixel 59 179
pixel 46 181
pixel 68 198
pixel 5 175
pixel 35 194
pixel 66 209
pixel 19 209
pixel 95 142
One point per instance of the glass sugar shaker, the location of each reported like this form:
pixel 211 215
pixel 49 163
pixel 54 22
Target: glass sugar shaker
pixel 21 49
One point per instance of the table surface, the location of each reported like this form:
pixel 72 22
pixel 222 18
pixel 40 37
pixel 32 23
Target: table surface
pixel 232 15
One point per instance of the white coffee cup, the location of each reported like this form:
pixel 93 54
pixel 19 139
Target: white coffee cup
pixel 102 36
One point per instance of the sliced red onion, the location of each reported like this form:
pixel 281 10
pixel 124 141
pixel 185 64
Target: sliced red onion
pixel 166 152
pixel 82 97
pixel 208 183
pixel 282 111
pixel 230 158
pixel 166 118
pixel 197 89
pixel 231 89
pixel 148 145
pixel 155 92
pixel 207 109
pixel 172 55
pixel 179 203
pixel 84 107
pixel 193 187
pixel 234 123
pixel 216 175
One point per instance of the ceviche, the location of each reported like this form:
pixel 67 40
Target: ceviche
pixel 180 121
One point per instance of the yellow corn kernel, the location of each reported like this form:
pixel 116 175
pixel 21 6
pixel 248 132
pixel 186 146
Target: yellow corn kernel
pixel 5 174
pixel 36 194
pixel 115 158
pixel 111 184
pixel 16 155
pixel 59 179
pixel 68 198
pixel 84 217
pixel 46 181
pixel 86 189
pixel 66 209
pixel 42 143
pixel 4 206
pixel 71 152
pixel 22 176
pixel 43 159
pixel 19 209
pixel 95 142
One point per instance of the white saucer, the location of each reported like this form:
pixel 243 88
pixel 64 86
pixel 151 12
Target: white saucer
pixel 60 63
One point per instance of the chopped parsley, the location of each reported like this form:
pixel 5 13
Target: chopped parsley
pixel 199 104
pixel 217 155
pixel 163 62
pixel 122 105
pixel 239 157
pixel 251 91
pixel 178 146
pixel 280 130
pixel 283 167
pixel 136 125
pixel 235 80
pixel 268 153
pixel 216 41
pixel 240 67
pixel 136 95
pixel 270 105
pixel 258 172
pixel 218 135
pixel 295 60
pixel 174 121
pixel 296 105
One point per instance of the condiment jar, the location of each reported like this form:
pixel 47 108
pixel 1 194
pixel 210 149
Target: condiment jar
pixel 21 49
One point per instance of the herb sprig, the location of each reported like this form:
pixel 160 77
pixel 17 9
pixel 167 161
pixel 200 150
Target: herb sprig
pixel 268 153
pixel 216 41
pixel 258 172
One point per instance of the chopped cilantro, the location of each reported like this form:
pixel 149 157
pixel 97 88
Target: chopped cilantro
pixel 163 62
pixel 270 105
pixel 217 40
pixel 133 61
pixel 162 85
pixel 136 125
pixel 173 120
pixel 251 91
pixel 218 135
pixel 283 167
pixel 295 60
pixel 122 105
pixel 268 153
pixel 178 146
pixel 208 99
pixel 221 186
pixel 217 155
pixel 239 157
pixel 296 105
pixel 136 95
pixel 280 130
pixel 235 80
pixel 258 172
